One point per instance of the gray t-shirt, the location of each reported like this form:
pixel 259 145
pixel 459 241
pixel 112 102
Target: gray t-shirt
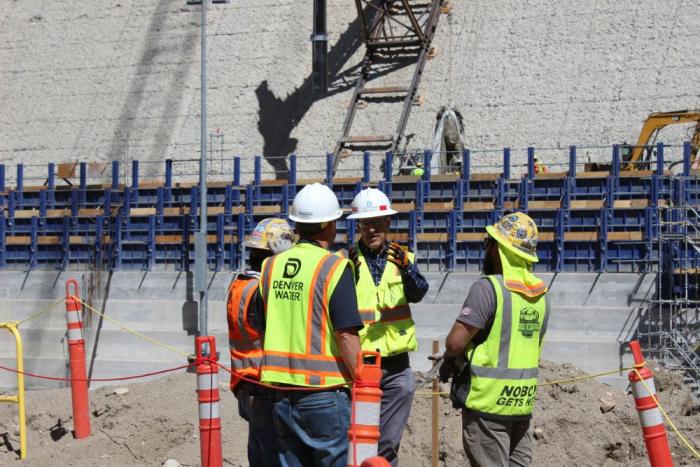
pixel 479 308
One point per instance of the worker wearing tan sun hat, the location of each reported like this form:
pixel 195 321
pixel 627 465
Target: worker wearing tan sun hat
pixel 493 349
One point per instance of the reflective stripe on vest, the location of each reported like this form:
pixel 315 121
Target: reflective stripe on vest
pixel 244 341
pixel 385 311
pixel 503 368
pixel 296 287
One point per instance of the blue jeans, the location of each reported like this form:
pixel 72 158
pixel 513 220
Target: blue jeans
pixel 313 428
pixel 263 445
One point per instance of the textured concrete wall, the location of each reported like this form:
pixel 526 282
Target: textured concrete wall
pixel 102 80
pixel 591 315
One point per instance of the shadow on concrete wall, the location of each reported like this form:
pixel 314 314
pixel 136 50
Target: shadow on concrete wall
pixel 278 117
pixel 182 50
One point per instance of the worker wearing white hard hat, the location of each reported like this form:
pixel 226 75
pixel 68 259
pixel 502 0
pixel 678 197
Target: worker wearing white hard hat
pixel 311 326
pixel 270 236
pixel 387 281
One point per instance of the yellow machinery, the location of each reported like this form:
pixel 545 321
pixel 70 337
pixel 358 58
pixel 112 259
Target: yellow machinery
pixel 653 124
pixel 19 397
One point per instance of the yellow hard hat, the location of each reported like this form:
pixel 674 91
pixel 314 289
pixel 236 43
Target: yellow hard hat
pixel 269 233
pixel 517 232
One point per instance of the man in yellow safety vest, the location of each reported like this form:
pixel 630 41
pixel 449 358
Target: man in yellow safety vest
pixel 311 341
pixel 270 236
pixel 387 281
pixel 500 331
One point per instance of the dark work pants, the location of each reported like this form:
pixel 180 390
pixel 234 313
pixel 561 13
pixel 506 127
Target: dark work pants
pixel 398 386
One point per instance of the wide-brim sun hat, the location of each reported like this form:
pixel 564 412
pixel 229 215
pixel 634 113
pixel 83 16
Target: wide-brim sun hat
pixel 517 233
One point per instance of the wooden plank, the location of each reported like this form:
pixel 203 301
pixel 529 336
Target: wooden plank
pixel 444 178
pixel 346 180
pixel 432 237
pixel 78 240
pixel 273 209
pixel 480 177
pixel 90 212
pixel 215 210
pixel 580 236
pixel 152 184
pixel 384 90
pixel 478 206
pixel 66 170
pixel 54 213
pixel 142 212
pixel 636 173
pixel 185 184
pixel 168 239
pixel 18 240
pixel 405 179
pixel 213 239
pixel 625 236
pixel 471 236
pixel 273 182
pixel 237 209
pixel 218 184
pixel 308 181
pixel 401 237
pixel 368 139
pixel 630 203
pixel 596 174
pixel 545 237
pixel 403 207
pixel 173 212
pixel 586 204
pixel 511 205
pixel 544 205
pixel 26 213
pixel 49 240
pixel 34 188
pixel 551 175
pixel 439 207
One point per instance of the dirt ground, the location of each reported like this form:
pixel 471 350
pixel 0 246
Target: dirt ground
pixel 157 420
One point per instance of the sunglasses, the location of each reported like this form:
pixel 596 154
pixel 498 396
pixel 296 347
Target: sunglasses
pixel 374 223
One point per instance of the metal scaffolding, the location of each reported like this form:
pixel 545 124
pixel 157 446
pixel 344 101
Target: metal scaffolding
pixel 669 318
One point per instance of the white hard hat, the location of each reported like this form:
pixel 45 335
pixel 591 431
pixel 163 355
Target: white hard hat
pixel 314 204
pixel 370 202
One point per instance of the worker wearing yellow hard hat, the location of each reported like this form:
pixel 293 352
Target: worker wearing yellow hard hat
pixel 493 350
pixel 270 236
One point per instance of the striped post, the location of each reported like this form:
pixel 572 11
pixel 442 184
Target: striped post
pixel 76 351
pixel 208 398
pixel 650 417
pixel 363 433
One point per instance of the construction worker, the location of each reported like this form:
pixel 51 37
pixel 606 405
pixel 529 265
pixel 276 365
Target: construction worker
pixel 311 327
pixel 540 168
pixel 498 338
pixel 269 237
pixel 418 170
pixel 387 281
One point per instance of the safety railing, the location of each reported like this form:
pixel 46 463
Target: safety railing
pixel 19 397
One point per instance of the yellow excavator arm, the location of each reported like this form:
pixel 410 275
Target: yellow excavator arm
pixel 658 120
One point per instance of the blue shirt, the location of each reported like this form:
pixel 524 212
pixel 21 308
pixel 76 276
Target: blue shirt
pixel 414 284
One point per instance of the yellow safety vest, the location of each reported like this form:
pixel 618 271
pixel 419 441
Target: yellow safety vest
pixel 503 368
pixel 389 327
pixel 300 348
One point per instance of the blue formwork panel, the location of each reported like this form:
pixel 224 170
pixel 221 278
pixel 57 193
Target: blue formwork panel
pixel 590 187
pixel 431 255
pixel 432 221
pixel 631 186
pixel 403 189
pixel 547 255
pixel 478 190
pixel 440 188
pixel 627 256
pixel 469 254
pixel 346 190
pixel 544 187
pixel 580 256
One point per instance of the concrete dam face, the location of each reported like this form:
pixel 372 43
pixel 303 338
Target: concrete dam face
pixel 119 80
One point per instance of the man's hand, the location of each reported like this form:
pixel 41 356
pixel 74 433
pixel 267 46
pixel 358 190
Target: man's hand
pixel 444 367
pixel 396 255
pixel 352 254
pixel 279 244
